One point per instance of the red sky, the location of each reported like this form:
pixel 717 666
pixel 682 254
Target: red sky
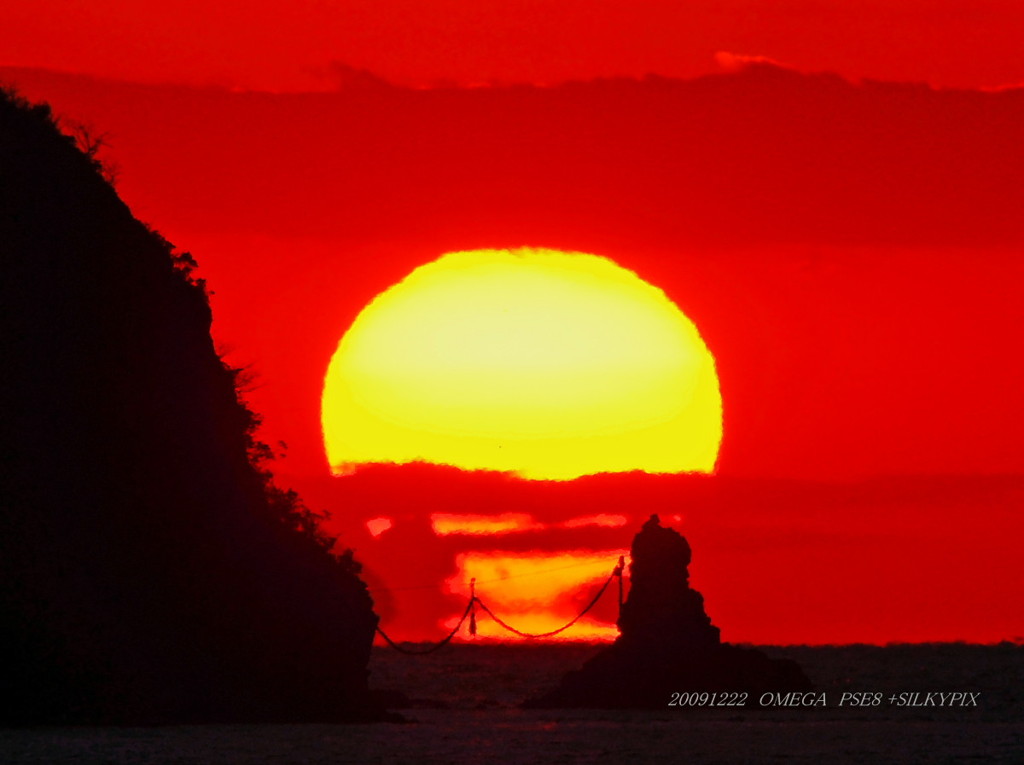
pixel 291 46
pixel 849 251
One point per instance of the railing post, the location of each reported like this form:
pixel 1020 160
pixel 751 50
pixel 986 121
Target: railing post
pixel 618 573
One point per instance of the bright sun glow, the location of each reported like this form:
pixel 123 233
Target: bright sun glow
pixel 445 524
pixel 547 364
pixel 514 584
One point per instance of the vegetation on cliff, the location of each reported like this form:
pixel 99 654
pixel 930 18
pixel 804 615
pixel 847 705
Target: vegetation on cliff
pixel 150 570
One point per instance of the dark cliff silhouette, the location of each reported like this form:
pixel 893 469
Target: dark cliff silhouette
pixel 667 642
pixel 150 571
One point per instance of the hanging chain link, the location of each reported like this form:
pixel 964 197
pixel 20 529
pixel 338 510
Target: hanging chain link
pixel 474 601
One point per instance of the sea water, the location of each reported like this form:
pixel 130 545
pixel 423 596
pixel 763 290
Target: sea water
pixel 463 709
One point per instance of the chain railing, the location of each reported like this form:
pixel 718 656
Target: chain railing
pixel 474 601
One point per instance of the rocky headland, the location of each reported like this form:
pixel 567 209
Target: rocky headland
pixel 150 569
pixel 667 643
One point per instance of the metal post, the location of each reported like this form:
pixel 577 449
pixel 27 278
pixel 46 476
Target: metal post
pixel 618 573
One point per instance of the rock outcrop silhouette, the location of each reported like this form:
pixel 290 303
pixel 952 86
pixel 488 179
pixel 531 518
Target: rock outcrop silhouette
pixel 150 571
pixel 667 643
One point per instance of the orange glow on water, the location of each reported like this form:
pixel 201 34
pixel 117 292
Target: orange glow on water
pixel 548 364
pixel 538 592
pixel 537 623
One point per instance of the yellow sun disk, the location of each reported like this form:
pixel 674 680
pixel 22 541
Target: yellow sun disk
pixel 548 364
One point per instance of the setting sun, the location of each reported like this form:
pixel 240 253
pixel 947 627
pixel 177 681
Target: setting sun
pixel 547 364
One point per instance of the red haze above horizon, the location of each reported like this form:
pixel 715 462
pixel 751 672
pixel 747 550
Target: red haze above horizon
pixel 850 252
